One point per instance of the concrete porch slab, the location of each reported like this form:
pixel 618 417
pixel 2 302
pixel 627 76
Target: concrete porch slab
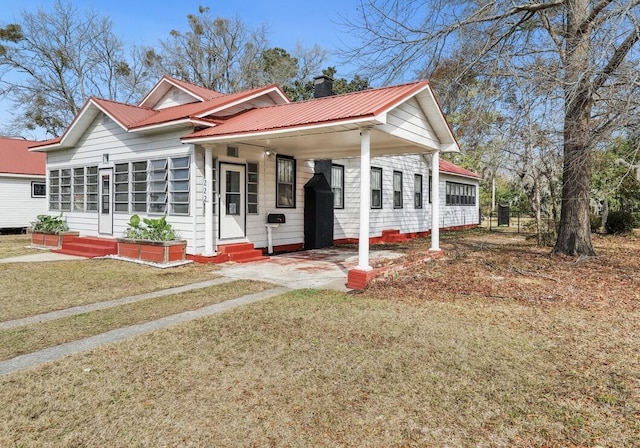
pixel 318 268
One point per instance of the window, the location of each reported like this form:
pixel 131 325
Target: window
pixel 65 190
pixel 38 189
pixel 337 185
pixel 121 188
pixel 285 182
pixel 397 189
pixel 417 191
pixel 252 188
pixel 92 188
pixel 179 186
pixel 460 194
pixel 157 184
pixel 78 189
pixel 54 190
pixel 376 187
pixel 139 186
pixel 430 189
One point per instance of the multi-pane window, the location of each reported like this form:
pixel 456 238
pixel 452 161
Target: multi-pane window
pixel 376 187
pixel 252 188
pixel 78 189
pixel 397 189
pixel 158 186
pixel 121 188
pixel 54 190
pixel 285 182
pixel 65 190
pixel 460 194
pixel 417 191
pixel 139 186
pixel 179 186
pixel 92 188
pixel 430 185
pixel 337 185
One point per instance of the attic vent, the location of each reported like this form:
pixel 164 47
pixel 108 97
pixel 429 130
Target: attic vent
pixel 232 151
pixel 175 93
pixel 104 119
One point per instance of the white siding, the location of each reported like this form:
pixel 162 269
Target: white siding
pixel 175 97
pixel 408 121
pixel 17 207
pixel 108 138
pixel 407 219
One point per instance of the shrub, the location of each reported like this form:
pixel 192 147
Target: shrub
pixel 619 222
pixel 49 224
pixel 596 222
pixel 152 229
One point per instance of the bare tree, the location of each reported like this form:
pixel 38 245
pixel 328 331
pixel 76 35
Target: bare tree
pixel 585 48
pixel 52 61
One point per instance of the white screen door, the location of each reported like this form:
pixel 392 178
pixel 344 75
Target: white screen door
pixel 105 210
pixel 232 201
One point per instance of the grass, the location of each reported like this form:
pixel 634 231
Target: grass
pixel 499 344
pixel 30 338
pixel 34 288
pixel 15 245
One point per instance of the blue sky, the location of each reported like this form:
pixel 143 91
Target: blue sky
pixel 288 21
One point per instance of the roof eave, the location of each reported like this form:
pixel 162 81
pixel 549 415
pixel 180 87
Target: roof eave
pixel 364 121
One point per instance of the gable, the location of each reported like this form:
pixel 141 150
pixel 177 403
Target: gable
pixel 175 97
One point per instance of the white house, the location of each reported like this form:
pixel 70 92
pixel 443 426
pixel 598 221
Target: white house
pixel 219 165
pixel 22 184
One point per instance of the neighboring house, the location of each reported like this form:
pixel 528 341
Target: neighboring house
pixel 22 184
pixel 218 165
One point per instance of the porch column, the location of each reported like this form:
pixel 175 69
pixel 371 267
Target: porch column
pixel 208 202
pixel 365 199
pixel 435 202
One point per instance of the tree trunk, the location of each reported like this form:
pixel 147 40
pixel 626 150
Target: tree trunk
pixel 574 234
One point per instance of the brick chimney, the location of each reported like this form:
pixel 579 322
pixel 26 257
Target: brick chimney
pixel 322 86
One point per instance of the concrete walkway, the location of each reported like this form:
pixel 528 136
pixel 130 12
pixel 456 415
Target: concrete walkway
pixel 60 351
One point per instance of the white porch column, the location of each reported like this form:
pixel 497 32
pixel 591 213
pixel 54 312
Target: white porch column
pixel 435 202
pixel 208 203
pixel 365 199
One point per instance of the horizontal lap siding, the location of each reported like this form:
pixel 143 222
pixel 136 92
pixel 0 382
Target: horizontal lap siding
pixel 408 219
pixel 291 232
pixel 17 207
pixel 106 137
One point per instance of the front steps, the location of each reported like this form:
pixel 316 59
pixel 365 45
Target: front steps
pixel 89 247
pixel 241 252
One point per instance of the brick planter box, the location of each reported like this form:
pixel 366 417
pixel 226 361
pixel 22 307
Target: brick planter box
pixel 52 240
pixel 152 251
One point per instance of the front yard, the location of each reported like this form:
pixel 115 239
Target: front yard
pixel 498 344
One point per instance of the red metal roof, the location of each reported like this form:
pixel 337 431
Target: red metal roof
pixel 15 157
pixel 451 168
pixel 125 114
pixel 199 91
pixel 350 106
pixel 133 117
